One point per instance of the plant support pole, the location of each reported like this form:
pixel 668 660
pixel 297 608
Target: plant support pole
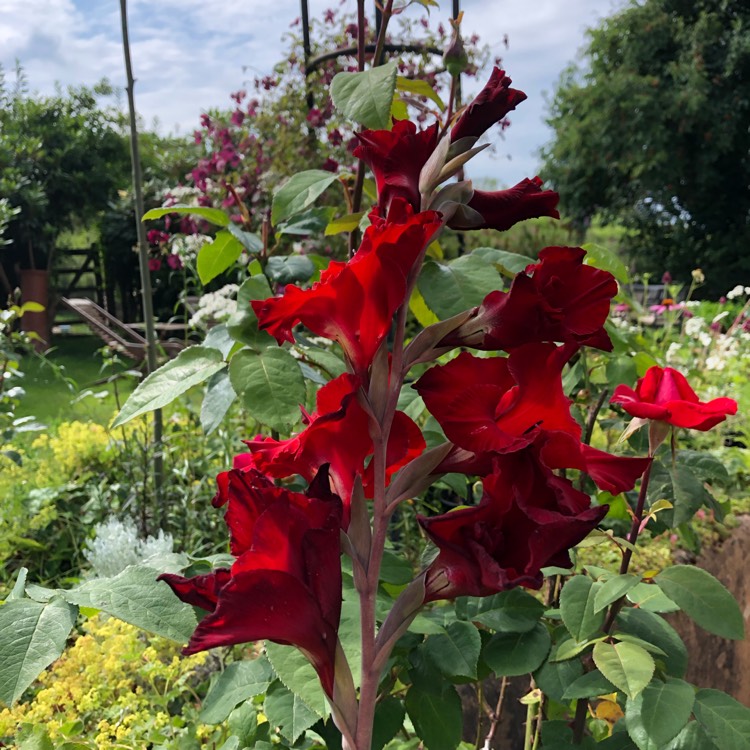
pixel 148 309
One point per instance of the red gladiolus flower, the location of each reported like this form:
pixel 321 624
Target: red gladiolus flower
pixel 498 404
pixel 521 525
pixel 556 299
pixel 396 158
pixel 285 585
pixel 492 103
pixel 665 395
pixel 354 302
pixel 552 450
pixel 336 434
pixel 502 209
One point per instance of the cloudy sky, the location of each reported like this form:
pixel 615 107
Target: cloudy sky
pixel 188 55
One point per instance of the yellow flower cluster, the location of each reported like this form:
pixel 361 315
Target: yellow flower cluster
pixel 77 447
pixel 115 686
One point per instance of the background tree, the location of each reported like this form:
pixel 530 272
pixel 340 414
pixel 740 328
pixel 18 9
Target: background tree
pixel 654 130
pixel 62 158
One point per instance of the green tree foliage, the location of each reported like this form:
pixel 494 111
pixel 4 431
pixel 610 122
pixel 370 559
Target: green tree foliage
pixel 653 130
pixel 62 158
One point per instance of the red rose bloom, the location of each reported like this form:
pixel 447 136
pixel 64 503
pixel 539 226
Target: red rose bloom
pixel 396 158
pixel 556 299
pixel 492 103
pixel 354 302
pixel 502 209
pixel 522 524
pixel 665 395
pixel 285 585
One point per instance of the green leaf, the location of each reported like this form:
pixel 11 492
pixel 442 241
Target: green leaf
pixel 569 648
pixel 32 636
pixel 418 87
pixel 243 724
pixel 347 223
pixel 136 597
pixel 577 607
pixel 436 715
pixel 704 599
pixel 365 97
pixel 649 626
pixel 726 721
pixel 639 642
pixel 350 630
pixel 659 713
pixel 293 669
pixel 243 324
pixel 513 654
pixel 456 651
pixel 613 589
pixel 288 711
pixel 34 737
pixel 216 402
pixel 238 682
pixel 604 258
pixel 395 569
pixel 191 366
pixel 313 221
pixel 389 718
pixel 703 465
pixel 618 741
pixel 507 263
pixel 590 685
pixel 218 338
pixel 270 384
pixel 251 242
pixel 450 288
pixel 289 269
pixel 19 587
pixel 215 257
pixel 514 611
pixel 689 494
pixel 298 192
pixel 213 215
pixel 554 677
pixel 418 308
pixel 651 598
pixel 692 737
pixel 627 666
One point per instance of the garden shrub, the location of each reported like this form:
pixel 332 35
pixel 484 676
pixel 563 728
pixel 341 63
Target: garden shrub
pixel 115 688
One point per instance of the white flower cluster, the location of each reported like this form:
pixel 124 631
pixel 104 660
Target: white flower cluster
pixel 738 291
pixel 116 545
pixel 215 307
pixel 696 328
pixel 726 349
pixel 186 246
pixel 181 194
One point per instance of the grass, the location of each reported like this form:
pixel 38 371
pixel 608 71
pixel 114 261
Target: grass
pixel 70 384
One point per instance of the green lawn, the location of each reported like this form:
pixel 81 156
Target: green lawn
pixel 55 386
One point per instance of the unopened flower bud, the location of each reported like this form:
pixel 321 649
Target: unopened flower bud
pixel 455 58
pixel 666 278
pixel 698 276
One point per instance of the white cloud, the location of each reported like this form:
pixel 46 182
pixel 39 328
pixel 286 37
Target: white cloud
pixel 188 55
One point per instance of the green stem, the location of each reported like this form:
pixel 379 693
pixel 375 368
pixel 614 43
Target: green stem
pixel 528 736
